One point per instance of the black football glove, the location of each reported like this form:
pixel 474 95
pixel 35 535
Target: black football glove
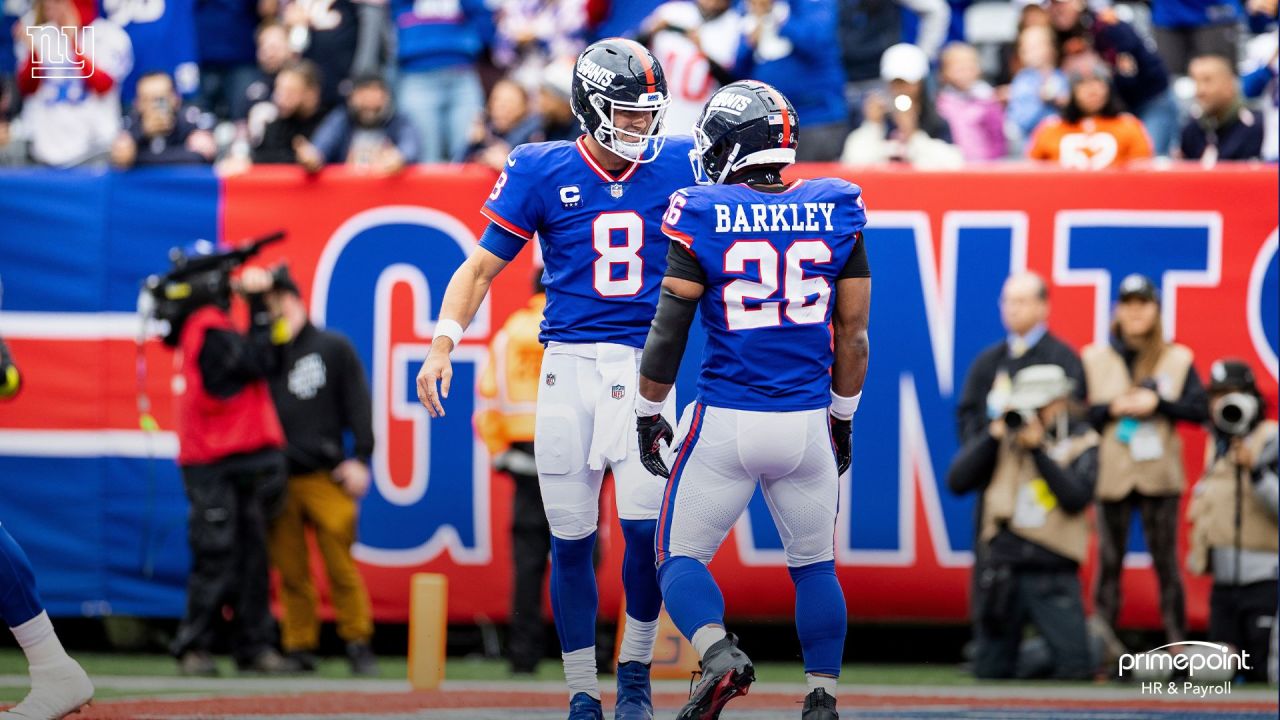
pixel 653 430
pixel 842 435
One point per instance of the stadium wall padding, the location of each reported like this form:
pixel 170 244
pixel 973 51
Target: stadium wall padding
pixel 98 503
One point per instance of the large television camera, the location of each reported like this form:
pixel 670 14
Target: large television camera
pixel 201 275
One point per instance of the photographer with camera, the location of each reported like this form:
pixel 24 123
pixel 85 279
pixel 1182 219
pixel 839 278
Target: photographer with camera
pixel 1140 386
pixel 1233 510
pixel 1035 467
pixel 160 131
pixel 229 451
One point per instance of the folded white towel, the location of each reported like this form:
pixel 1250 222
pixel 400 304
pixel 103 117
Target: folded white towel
pixel 618 373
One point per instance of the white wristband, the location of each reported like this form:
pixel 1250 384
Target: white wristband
pixel 648 408
pixel 450 329
pixel 843 408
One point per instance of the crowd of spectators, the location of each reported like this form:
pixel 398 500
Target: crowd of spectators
pixel 378 86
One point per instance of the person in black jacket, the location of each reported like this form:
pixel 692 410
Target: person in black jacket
pixel 1221 127
pixel 160 131
pixel 1036 469
pixel 320 394
pixel 286 139
pixel 1024 309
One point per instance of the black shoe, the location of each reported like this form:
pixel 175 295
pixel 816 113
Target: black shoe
pixel 270 662
pixel 726 674
pixel 197 663
pixel 818 705
pixel 306 660
pixel 363 662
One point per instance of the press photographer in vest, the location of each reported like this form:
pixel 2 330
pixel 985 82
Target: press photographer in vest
pixel 1035 467
pixel 1140 387
pixel 1234 533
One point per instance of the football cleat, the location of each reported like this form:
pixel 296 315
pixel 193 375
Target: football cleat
pixel 57 690
pixel 818 705
pixel 635 699
pixel 726 673
pixel 585 707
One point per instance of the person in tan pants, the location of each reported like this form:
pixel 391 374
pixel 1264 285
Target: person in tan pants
pixel 321 393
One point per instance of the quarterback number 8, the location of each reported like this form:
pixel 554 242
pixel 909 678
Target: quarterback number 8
pixel 497 186
pixel 604 229
pixel 796 288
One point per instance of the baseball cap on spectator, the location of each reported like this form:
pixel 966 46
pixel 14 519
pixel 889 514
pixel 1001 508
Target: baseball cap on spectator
pixel 904 61
pixel 1138 287
pixel 283 281
pixel 1231 374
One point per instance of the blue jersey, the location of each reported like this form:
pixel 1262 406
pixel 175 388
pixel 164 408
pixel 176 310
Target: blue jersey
pixel 434 34
pixel 163 33
pixel 602 242
pixel 771 261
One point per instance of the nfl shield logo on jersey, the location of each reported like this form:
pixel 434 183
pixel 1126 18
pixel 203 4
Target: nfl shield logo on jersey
pixel 616 190
pixel 619 391
pixel 551 379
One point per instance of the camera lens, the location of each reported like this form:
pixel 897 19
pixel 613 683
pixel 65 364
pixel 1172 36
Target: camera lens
pixel 1231 413
pixel 1014 420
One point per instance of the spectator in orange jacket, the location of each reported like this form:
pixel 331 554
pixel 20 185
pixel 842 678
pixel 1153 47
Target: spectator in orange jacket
pixel 1092 132
pixel 508 392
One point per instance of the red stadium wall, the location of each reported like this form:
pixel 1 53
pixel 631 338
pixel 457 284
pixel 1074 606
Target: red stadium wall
pixel 374 256
pixel 1212 320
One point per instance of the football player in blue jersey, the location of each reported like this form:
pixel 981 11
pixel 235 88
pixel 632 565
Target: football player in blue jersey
pixel 596 206
pixel 59 686
pixel 773 266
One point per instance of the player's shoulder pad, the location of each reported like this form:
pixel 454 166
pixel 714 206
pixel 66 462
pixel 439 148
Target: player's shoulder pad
pixel 537 158
pixel 696 197
pixel 838 187
pixel 681 144
pixel 675 156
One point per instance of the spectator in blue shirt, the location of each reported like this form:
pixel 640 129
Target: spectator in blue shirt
pixel 1040 89
pixel 793 47
pixel 439 89
pixel 1189 28
pixel 225 50
pixel 1139 75
pixel 1262 85
pixel 368 134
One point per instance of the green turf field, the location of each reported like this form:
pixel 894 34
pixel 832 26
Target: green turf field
pixel 12 664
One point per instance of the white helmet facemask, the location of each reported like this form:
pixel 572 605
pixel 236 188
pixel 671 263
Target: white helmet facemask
pixel 647 145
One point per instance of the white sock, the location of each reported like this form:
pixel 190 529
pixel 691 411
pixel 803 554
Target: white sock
pixel 814 682
pixel 39 642
pixel 706 636
pixel 637 641
pixel 580 672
